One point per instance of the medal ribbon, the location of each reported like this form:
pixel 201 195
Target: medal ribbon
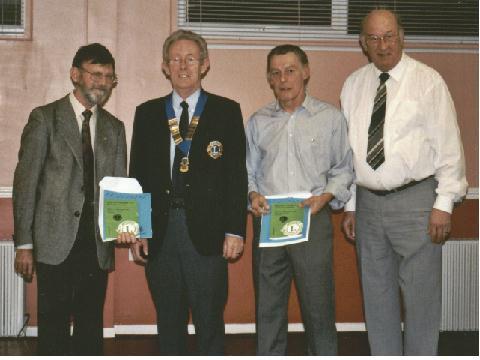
pixel 184 144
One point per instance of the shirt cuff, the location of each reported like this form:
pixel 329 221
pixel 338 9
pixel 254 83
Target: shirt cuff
pixel 234 235
pixel 252 187
pixel 443 203
pixel 340 195
pixel 350 205
pixel 24 247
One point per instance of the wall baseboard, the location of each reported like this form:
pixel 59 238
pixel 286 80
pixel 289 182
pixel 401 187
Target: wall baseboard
pixel 229 329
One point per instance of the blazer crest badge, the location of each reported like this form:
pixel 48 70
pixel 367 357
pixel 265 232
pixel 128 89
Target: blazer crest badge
pixel 215 149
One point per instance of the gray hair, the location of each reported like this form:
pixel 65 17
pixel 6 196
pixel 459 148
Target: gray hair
pixel 398 19
pixel 185 35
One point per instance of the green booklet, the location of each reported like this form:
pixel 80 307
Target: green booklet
pixel 120 215
pixel 286 223
pixel 286 220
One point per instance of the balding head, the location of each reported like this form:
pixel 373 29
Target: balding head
pixel 382 38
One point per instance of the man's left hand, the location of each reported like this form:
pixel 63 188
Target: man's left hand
pixel 317 202
pixel 232 247
pixel 440 226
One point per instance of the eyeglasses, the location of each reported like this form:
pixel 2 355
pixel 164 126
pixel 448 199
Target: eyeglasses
pixel 388 39
pixel 189 60
pixel 98 76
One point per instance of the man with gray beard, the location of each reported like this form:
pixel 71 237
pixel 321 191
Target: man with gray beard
pixel 67 147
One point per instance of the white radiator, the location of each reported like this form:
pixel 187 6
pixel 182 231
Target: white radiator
pixel 11 292
pixel 460 286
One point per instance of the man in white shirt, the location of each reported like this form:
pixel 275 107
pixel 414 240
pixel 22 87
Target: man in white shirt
pixel 410 169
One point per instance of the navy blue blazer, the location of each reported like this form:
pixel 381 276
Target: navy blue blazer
pixel 216 188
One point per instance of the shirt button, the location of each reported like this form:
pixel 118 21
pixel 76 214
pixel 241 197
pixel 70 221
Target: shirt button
pixel 76 213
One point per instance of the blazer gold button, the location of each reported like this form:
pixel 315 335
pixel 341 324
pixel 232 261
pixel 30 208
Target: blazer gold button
pixel 167 191
pixel 77 213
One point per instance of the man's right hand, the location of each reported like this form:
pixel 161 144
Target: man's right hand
pixel 139 248
pixel 348 225
pixel 258 203
pixel 24 264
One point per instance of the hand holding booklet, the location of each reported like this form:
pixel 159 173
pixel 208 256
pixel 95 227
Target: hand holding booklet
pixel 286 223
pixel 123 207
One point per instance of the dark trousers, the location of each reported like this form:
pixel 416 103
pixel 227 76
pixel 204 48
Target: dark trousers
pixel 73 291
pixel 310 265
pixel 179 278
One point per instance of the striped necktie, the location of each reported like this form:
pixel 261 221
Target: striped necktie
pixel 375 153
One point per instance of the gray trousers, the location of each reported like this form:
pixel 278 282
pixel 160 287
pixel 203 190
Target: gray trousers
pixel 180 278
pixel 310 264
pixel 398 259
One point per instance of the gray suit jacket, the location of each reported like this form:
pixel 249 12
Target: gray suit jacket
pixel 48 182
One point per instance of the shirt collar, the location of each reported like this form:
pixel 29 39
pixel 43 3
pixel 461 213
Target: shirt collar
pixel 191 100
pixel 78 108
pixel 307 104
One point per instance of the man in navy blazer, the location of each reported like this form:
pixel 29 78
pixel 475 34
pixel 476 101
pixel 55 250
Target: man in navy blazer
pixel 188 151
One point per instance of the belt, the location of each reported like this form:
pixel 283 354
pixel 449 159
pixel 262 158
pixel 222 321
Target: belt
pixel 177 203
pixel 400 188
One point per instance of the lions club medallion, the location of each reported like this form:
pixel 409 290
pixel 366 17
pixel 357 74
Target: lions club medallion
pixel 215 149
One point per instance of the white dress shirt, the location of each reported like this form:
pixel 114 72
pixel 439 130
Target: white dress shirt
pixel 421 135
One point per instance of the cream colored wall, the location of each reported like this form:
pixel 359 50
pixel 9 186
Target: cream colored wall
pixel 36 72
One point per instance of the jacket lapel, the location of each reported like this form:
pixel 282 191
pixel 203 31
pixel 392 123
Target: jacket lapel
pixel 201 129
pixel 102 133
pixel 67 125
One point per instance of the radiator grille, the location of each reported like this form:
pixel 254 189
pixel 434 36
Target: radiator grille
pixel 11 292
pixel 460 286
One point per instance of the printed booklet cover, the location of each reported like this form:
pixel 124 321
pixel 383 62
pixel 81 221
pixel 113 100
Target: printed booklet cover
pixel 123 207
pixel 125 212
pixel 286 223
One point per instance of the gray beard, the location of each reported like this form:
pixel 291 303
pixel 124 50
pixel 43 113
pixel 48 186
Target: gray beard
pixel 95 96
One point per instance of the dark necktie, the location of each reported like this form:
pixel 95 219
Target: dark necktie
pixel 177 177
pixel 375 153
pixel 184 119
pixel 88 172
pixel 84 251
